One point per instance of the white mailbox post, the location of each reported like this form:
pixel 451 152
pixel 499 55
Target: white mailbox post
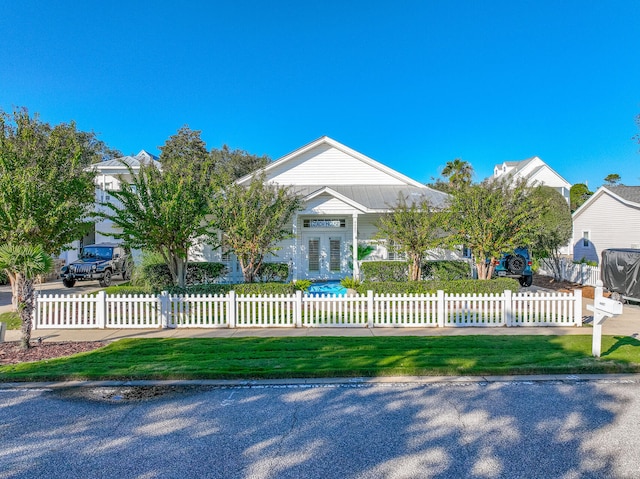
pixel 602 308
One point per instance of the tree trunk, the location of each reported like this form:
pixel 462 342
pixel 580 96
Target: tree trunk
pixel 181 272
pixel 485 270
pixel 414 269
pixel 25 298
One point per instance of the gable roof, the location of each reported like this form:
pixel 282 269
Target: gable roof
pixel 517 169
pixel 133 162
pixel 329 142
pixel 628 195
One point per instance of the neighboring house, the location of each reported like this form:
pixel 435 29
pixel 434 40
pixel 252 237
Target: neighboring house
pixel 344 193
pixel 536 172
pixel 610 218
pixel 108 174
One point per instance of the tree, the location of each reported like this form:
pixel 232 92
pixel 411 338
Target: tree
pixel 46 194
pixel 253 219
pixel 458 172
pixel 578 194
pixel 237 163
pixel 492 217
pixel 555 227
pixel 612 179
pixel 166 211
pixel 25 263
pixel 413 229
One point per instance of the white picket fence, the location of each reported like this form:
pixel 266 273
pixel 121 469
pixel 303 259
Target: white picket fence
pixel 296 310
pixel 576 273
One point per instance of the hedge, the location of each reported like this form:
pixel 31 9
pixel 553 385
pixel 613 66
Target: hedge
pixel 273 272
pixel 156 277
pixel 464 286
pixel 441 270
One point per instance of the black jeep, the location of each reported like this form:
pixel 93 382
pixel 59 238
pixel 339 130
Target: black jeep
pixel 98 261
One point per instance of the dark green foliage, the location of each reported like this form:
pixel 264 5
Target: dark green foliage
pixel 466 286
pixel 4 279
pixel 235 164
pixel 273 272
pixel 122 290
pixel 446 270
pixel 578 194
pixel 243 288
pixel 373 271
pixel 156 277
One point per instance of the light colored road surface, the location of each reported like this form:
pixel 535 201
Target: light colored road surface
pixel 521 429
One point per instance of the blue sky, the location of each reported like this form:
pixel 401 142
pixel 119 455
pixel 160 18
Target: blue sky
pixel 412 84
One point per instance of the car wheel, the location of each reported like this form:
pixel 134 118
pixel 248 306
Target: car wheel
pixel 106 280
pixel 126 275
pixel 68 283
pixel 516 263
pixel 526 281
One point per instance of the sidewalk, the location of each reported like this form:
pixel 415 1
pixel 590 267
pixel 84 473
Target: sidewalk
pixel 627 324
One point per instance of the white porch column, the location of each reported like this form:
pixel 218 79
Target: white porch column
pixel 356 266
pixel 294 253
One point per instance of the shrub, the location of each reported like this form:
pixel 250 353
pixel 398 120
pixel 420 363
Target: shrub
pixel 350 283
pixel 273 272
pixel 446 270
pixel 385 270
pixel 157 277
pixel 465 286
pixel 127 290
pixel 301 284
pixel 4 279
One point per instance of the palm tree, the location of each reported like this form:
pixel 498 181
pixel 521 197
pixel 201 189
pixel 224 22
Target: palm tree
pixel 23 263
pixel 459 172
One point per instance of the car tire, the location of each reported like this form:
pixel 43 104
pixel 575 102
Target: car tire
pixel 126 275
pixel 106 279
pixel 69 283
pixel 516 263
pixel 526 281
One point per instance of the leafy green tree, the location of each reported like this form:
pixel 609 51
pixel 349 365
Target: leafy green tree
pixel 46 194
pixel 578 194
pixel 459 173
pixel 555 227
pixel 24 263
pixel 253 219
pixel 492 217
pixel 237 163
pixel 612 179
pixel 412 229
pixel 167 211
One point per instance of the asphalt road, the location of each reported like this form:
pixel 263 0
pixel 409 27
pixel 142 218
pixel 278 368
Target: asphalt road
pixel 555 429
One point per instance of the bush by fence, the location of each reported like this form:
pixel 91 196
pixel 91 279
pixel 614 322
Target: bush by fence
pixel 441 270
pixel 466 286
pixel 156 277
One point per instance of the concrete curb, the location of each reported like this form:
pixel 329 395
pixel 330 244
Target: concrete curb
pixel 320 382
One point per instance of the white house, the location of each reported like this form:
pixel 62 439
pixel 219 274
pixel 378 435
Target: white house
pixel 536 172
pixel 610 218
pixel 344 193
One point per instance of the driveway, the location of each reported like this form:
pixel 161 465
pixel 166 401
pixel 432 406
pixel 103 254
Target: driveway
pixel 566 428
pixel 52 287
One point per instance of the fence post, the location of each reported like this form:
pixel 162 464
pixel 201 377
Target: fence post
pixel 440 304
pixel 370 315
pixel 231 309
pixel 101 310
pixel 298 308
pixel 577 307
pixel 164 308
pixel 508 307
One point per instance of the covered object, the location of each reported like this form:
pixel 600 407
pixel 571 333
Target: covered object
pixel 620 272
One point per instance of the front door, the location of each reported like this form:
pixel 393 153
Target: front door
pixel 322 256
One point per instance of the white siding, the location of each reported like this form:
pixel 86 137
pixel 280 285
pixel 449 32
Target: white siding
pixel 326 165
pixel 610 223
pixel 327 204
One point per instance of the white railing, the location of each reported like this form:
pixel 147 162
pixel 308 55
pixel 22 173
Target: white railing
pixel 295 310
pixel 574 272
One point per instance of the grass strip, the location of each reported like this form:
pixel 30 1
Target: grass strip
pixel 296 357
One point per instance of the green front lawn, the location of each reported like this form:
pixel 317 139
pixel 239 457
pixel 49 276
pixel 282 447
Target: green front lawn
pixel 260 358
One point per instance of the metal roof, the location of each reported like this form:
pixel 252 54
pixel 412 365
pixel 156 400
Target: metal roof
pixel 379 197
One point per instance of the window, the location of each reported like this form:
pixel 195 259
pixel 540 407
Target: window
pixel 585 239
pixel 314 254
pixel 334 254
